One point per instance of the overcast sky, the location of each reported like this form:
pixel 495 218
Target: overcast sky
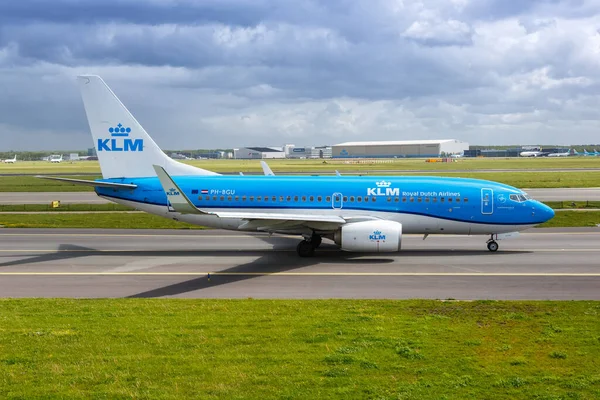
pixel 230 73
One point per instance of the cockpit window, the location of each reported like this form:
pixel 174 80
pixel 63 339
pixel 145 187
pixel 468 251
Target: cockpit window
pixel 519 198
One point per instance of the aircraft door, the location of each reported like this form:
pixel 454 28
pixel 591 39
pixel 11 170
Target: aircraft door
pixel 336 201
pixel 487 201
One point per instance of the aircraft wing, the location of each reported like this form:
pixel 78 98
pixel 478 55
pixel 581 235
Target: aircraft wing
pixel 180 203
pixel 90 183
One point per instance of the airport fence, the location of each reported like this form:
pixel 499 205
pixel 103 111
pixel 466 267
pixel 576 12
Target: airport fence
pixel 560 205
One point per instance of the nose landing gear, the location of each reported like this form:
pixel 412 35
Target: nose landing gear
pixel 492 245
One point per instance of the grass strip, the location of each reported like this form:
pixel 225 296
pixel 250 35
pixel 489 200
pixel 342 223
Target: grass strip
pixel 264 349
pixel 520 179
pixel 117 220
pixel 63 207
pixel 121 220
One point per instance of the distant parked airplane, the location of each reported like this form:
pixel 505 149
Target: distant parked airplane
pixel 56 158
pixel 570 152
pixel 11 160
pixel 592 154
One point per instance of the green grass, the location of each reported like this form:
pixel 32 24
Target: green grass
pixel 63 207
pixel 329 165
pixel 262 349
pixel 33 184
pixel 120 220
pixel 573 219
pixel 116 220
pixel 516 179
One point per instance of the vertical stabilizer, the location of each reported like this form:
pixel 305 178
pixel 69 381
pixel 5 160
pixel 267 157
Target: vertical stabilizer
pixel 123 147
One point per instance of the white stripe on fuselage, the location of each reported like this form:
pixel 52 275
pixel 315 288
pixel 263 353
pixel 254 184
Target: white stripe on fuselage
pixel 411 223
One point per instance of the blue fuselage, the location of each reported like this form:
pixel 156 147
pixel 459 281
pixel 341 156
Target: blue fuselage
pixel 470 201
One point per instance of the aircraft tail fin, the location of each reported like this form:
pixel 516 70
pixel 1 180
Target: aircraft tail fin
pixel 123 147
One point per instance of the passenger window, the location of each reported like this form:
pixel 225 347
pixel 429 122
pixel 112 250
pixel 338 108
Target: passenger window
pixel 328 199
pixel 389 199
pixel 359 199
pixel 397 199
pixel 412 199
pixel 222 198
pixel 426 199
pixel 465 200
pixel 200 197
pixel 289 198
pixel 214 198
pixel 458 199
pixel 311 198
pixel 251 198
pixel 258 198
pixel 319 198
pixel 266 198
pixel 435 199
pixel 228 198
pixel 351 199
pixel 295 198
pixel 404 199
pixel 303 198
pixel 281 199
pixel 345 199
pixel 373 199
pixel 237 198
pixel 449 199
pixel 441 199
pixel 207 197
pixel 419 199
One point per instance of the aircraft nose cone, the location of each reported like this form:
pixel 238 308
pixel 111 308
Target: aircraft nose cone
pixel 544 213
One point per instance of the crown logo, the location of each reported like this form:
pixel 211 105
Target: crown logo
pixel 383 184
pixel 119 130
pixel 377 233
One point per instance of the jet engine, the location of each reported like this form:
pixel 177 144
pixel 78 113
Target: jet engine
pixel 370 236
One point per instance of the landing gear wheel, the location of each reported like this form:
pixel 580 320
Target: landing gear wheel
pixel 315 241
pixel 492 245
pixel 305 249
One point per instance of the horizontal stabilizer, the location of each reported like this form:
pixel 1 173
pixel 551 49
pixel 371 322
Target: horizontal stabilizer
pixel 90 183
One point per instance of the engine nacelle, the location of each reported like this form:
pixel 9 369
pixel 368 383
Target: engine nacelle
pixel 370 236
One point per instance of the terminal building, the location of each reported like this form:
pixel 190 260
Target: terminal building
pixel 399 149
pixel 291 151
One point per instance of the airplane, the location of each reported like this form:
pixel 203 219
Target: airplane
pixel 586 153
pixel 358 213
pixel 55 158
pixel 266 169
pixel 11 160
pixel 533 153
pixel 456 155
pixel 570 152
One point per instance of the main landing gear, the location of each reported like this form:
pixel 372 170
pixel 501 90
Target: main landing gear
pixel 306 248
pixel 492 245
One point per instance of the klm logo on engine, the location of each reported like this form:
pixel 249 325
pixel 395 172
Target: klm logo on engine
pixel 383 189
pixel 377 235
pixel 120 141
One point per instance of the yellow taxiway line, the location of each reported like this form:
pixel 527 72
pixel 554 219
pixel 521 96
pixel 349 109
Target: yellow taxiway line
pixel 206 274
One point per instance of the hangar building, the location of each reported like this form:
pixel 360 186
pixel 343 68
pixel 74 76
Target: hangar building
pixel 399 149
pixel 258 153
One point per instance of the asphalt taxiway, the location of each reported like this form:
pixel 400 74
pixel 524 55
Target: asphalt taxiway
pixel 558 194
pixel 540 264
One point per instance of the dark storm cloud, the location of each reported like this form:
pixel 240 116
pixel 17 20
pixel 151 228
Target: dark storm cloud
pixel 305 71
